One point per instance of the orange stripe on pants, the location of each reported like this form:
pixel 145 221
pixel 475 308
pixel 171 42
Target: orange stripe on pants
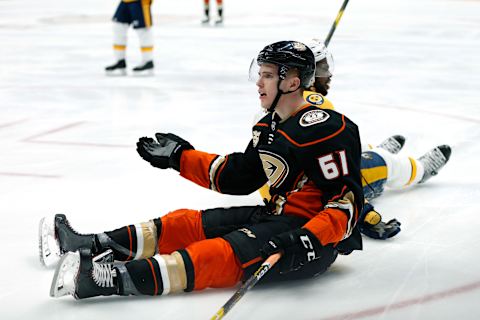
pixel 214 263
pixel 180 228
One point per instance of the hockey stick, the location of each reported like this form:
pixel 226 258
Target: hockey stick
pixel 335 23
pixel 266 265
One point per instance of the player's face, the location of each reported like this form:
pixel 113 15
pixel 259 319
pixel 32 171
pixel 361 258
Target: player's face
pixel 323 77
pixel 267 84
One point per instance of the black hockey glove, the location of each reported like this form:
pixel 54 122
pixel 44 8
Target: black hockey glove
pixel 372 226
pixel 165 153
pixel 382 230
pixel 298 247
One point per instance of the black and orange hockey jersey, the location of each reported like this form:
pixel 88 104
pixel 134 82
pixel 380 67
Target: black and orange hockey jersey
pixel 311 162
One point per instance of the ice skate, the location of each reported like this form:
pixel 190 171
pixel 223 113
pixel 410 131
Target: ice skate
pixel 434 160
pixel 56 237
pixel 117 69
pixel 205 20
pixel 219 20
pixel 393 144
pixel 144 69
pixel 83 276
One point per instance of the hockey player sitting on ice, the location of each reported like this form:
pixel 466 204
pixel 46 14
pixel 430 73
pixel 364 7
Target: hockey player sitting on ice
pixel 138 14
pixel 311 158
pixel 380 166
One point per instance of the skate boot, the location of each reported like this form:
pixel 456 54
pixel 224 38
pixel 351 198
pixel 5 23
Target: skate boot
pixel 206 17
pixel 393 144
pixel 82 276
pixel 206 20
pixel 144 69
pixel 56 237
pixel 117 69
pixel 434 160
pixel 219 20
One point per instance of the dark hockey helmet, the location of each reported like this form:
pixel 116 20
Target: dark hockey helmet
pixel 290 55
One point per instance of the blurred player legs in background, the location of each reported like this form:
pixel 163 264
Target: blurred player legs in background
pixel 206 8
pixel 138 14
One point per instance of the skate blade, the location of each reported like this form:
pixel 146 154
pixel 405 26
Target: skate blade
pixel 116 73
pixel 144 73
pixel 48 246
pixel 66 274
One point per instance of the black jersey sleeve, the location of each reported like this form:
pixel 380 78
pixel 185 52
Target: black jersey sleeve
pixel 238 173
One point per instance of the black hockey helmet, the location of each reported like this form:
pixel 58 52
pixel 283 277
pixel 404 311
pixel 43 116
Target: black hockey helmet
pixel 290 55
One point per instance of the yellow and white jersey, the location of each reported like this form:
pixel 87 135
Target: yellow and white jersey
pixel 318 100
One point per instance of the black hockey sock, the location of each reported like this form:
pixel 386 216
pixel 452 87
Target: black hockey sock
pixel 131 241
pixel 145 277
pixel 141 277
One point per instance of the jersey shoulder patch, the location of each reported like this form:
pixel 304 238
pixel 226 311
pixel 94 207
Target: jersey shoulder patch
pixel 313 117
pixel 314 98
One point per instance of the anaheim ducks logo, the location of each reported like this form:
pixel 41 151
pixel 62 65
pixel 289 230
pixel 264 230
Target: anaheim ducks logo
pixel 299 46
pixel 275 167
pixel 315 98
pixel 256 138
pixel 313 117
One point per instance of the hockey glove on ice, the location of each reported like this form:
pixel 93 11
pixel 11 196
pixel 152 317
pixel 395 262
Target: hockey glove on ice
pixel 372 225
pixel 382 230
pixel 165 153
pixel 298 246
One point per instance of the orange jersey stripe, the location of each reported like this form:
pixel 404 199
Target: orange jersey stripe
pixel 154 277
pixel 316 141
pixel 131 243
pixel 253 261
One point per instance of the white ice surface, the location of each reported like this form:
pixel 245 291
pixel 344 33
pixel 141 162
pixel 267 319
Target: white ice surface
pixel 68 134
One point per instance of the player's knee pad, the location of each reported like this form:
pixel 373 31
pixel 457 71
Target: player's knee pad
pixel 215 264
pixel 402 170
pixel 145 37
pixel 179 229
pixel 120 34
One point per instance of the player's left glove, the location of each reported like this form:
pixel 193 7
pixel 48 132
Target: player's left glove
pixel 298 247
pixel 382 230
pixel 165 152
pixel 372 226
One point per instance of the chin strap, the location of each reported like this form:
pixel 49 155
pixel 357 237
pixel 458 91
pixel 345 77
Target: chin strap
pixel 277 97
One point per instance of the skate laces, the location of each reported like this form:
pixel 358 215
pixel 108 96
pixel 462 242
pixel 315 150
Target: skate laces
pixel 391 145
pixel 103 274
pixel 433 160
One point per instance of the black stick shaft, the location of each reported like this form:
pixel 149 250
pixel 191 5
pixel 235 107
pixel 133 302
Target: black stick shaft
pixel 335 23
pixel 267 265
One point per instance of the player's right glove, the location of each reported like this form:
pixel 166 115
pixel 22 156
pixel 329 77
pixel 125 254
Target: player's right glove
pixel 165 152
pixel 298 247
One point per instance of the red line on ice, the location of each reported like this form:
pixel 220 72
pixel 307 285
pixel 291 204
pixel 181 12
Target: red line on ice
pixel 9 124
pixel 33 139
pixel 407 303
pixel 32 175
